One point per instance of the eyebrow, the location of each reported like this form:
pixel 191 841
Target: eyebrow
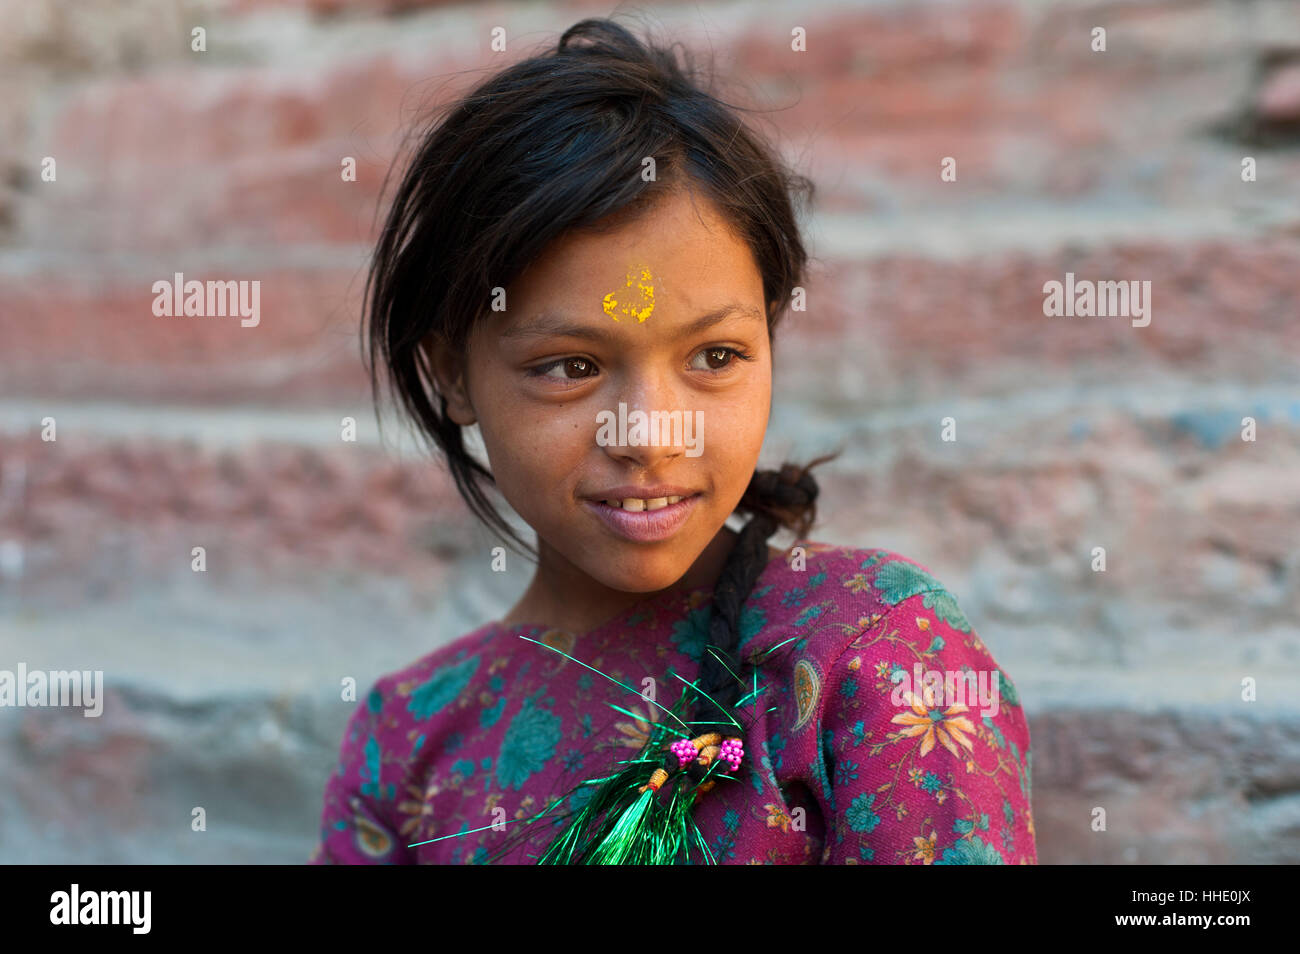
pixel 547 325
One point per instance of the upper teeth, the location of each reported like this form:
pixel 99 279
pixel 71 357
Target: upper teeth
pixel 633 503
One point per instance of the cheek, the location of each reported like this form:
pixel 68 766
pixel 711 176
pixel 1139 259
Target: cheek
pixel 729 429
pixel 737 423
pixel 733 438
pixel 534 448
pixel 733 435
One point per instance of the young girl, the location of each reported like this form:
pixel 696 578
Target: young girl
pixel 588 259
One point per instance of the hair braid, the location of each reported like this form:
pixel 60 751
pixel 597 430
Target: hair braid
pixel 776 498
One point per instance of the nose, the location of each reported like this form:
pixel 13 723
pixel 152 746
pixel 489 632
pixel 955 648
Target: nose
pixel 648 424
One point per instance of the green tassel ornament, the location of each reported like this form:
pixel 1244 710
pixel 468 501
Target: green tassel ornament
pixel 644 813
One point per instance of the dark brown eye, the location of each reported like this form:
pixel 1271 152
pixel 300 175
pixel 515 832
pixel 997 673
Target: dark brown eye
pixel 565 369
pixel 715 359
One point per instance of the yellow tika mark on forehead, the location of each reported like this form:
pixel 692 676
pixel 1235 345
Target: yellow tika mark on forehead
pixel 641 303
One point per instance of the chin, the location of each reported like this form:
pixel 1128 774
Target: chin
pixel 648 573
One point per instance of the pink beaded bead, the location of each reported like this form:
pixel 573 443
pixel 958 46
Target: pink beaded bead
pixel 684 751
pixel 732 751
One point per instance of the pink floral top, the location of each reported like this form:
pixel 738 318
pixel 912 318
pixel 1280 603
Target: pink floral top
pixel 884 735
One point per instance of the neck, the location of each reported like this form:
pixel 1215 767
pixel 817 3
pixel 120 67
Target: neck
pixel 561 596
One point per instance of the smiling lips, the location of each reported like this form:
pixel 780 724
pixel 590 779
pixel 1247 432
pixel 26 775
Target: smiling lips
pixel 636 504
pixel 644 519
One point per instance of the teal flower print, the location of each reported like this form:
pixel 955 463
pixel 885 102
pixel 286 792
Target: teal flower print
pixel 488 717
pixel 752 621
pixel 849 687
pixel 725 847
pixel 691 635
pixel 875 557
pixel 443 686
pixel 860 816
pixel 973 852
pixel 530 741
pixel 1007 690
pixel 846 772
pixel 826 761
pixel 371 772
pixel 581 797
pixel 776 746
pixel 998 737
pixel 931 783
pixel 945 607
pixel 898 580
pixel 808 615
pixel 455 855
pixel 759 778
pixel 798 594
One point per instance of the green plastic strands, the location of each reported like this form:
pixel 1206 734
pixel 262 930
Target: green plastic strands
pixel 622 825
pixel 618 823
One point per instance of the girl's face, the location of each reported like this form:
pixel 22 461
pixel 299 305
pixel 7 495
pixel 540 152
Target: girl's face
pixel 666 315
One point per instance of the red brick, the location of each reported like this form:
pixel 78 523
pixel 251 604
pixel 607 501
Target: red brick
pixel 74 335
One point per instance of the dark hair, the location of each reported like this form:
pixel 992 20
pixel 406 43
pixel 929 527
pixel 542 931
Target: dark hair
pixel 551 144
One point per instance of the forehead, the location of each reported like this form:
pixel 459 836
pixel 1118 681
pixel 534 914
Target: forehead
pixel 693 256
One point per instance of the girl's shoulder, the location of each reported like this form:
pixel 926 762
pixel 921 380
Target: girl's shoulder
pixel 827 596
pixel 423 687
pixel 915 736
pixel 829 556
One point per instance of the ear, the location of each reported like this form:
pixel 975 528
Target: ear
pixel 448 367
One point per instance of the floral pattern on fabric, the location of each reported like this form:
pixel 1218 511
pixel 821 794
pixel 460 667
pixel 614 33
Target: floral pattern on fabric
pixel 861 748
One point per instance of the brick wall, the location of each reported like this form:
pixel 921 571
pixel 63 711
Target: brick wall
pixel 328 559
